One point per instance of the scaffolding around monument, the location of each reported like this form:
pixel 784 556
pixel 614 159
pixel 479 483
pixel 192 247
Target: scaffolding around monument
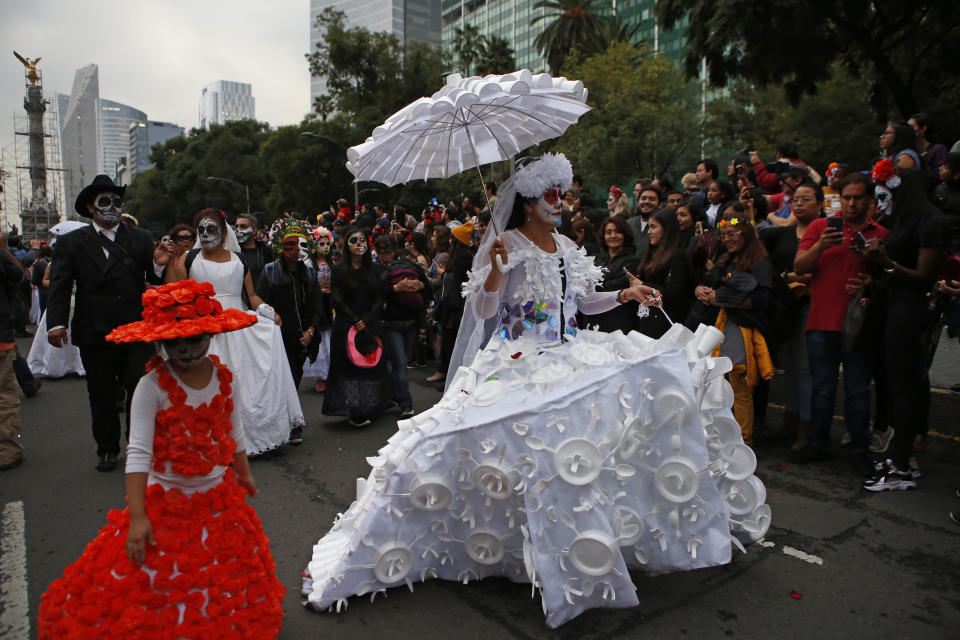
pixel 34 184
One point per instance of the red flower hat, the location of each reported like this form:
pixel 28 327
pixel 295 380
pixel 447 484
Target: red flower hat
pixel 180 310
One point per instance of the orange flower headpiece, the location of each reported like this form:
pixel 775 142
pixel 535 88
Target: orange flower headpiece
pixel 180 310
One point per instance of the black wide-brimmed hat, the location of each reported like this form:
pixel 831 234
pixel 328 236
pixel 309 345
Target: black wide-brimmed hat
pixel 100 184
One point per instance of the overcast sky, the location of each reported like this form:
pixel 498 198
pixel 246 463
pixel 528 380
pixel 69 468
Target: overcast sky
pixel 156 55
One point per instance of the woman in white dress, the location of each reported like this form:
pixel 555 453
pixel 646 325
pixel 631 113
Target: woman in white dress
pixel 556 456
pixel 263 386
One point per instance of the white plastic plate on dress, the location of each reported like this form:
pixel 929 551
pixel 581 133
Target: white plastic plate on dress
pixel 593 553
pixel 484 547
pixel 393 563
pixel 672 406
pixel 743 496
pixel 741 460
pixel 725 429
pixel 428 492
pixel 578 461
pixel 676 479
pixel 591 355
pixel 488 392
pixel 553 372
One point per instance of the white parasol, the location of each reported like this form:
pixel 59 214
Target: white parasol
pixel 469 122
pixel 65 227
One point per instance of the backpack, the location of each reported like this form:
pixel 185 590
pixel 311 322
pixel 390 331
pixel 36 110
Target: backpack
pixel 408 299
pixel 39 268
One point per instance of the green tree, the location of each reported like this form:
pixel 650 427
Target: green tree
pixel 905 50
pixel 177 186
pixel 642 122
pixel 496 56
pixel 573 25
pixel 369 76
pixel 468 47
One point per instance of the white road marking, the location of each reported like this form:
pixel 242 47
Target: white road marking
pixel 15 618
pixel 806 557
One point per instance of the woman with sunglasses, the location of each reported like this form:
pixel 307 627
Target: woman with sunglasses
pixel 323 263
pixel 264 390
pixel 738 290
pixel 550 442
pixel 182 237
pixel 359 385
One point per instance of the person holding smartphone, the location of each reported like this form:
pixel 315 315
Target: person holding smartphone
pixel 825 251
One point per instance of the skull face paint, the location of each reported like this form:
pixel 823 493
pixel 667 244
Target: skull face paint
pixel 209 233
pixel 323 246
pixel 106 208
pixel 549 206
pixel 187 353
pixel 243 234
pixel 304 249
pixel 357 244
pixel 295 249
pixel 884 199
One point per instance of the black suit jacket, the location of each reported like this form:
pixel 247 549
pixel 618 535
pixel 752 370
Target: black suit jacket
pixel 109 290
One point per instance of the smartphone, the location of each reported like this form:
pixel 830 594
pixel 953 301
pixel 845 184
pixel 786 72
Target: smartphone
pixel 835 223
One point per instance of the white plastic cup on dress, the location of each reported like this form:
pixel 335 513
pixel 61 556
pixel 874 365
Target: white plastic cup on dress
pixel 706 339
pixel 676 336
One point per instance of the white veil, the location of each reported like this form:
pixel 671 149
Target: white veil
pixel 474 330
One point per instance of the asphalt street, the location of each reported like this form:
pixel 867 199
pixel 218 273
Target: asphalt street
pixel 837 562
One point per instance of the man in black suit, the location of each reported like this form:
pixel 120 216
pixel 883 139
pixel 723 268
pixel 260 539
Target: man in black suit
pixel 110 264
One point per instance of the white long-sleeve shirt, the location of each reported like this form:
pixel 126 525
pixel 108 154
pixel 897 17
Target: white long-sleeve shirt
pixel 148 400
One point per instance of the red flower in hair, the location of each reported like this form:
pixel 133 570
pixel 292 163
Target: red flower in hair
pixel 883 170
pixel 616 192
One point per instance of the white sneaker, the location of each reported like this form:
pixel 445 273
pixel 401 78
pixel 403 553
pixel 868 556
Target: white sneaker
pixel 845 439
pixel 880 440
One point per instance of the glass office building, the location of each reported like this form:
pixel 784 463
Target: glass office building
pixel 143 135
pixel 222 101
pixel 113 126
pixel 408 20
pixel 510 19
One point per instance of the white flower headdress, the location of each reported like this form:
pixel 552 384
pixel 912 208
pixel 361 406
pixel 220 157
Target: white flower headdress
pixel 552 170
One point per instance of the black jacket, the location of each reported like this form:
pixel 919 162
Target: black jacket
pixel 11 275
pixel 299 307
pixel 109 290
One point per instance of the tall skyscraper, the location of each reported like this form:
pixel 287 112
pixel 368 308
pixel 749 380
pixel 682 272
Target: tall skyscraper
pixel 94 132
pixel 113 127
pixel 408 20
pixel 222 101
pixel 78 133
pixel 143 135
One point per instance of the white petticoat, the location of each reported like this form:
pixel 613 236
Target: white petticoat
pixel 45 359
pixel 320 367
pixel 562 467
pixel 262 385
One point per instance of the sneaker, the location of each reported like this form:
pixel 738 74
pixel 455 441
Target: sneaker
pixel 359 423
pixel 36 389
pixel 880 440
pixel 320 386
pixel 406 413
pixel 955 517
pixel 919 442
pixel 437 377
pixel 914 468
pixel 886 478
pixel 845 439
pixel 296 436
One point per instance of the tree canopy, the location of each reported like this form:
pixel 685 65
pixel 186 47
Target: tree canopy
pixel 905 51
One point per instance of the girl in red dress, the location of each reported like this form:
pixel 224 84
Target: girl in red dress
pixel 188 557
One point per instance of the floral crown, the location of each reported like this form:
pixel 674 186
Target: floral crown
pixel 535 178
pixel 732 222
pixel 884 172
pixel 322 232
pixel 180 310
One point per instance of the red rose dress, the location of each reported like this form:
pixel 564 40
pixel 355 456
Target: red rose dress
pixel 210 574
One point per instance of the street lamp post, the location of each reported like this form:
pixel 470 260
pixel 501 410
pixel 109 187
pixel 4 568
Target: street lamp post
pixel 246 189
pixel 356 186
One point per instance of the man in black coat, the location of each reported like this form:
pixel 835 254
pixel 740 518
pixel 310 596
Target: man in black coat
pixel 110 264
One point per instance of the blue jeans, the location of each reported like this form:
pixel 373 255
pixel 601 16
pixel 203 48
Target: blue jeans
pixel 398 343
pixel 796 362
pixel 825 351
